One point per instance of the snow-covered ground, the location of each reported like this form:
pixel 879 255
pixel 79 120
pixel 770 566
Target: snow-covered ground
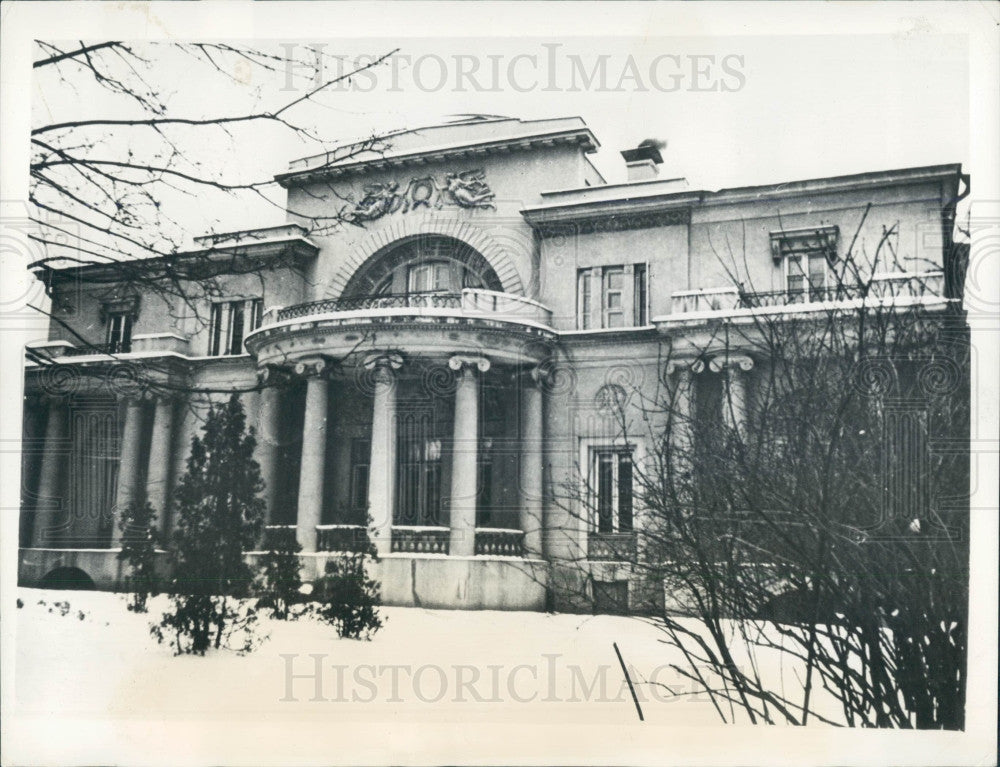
pixel 95 662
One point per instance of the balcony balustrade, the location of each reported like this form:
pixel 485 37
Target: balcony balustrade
pixel 611 547
pixel 353 538
pixel 471 302
pixel 420 540
pixel 492 541
pixel 278 537
pixel 144 344
pixel 882 288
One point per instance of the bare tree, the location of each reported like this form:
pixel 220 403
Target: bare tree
pixel 815 515
pixel 102 184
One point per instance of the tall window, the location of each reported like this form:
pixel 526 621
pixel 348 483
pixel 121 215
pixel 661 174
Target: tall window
pixel 806 275
pixel 119 337
pixel 639 296
pixel 806 256
pixel 612 296
pixel 584 308
pixel 361 450
pixel 611 483
pixel 613 303
pixel 230 323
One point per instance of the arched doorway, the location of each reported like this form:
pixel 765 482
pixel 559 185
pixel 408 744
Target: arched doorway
pixel 68 579
pixel 430 263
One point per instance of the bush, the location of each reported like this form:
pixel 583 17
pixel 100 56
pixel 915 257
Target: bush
pixel 348 598
pixel 280 583
pixel 139 540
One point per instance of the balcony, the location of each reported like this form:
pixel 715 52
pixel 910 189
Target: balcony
pixel 144 345
pixel 895 289
pixel 484 321
pixel 471 302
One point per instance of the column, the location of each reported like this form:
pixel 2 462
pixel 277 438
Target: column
pixel 682 413
pixel 532 434
pixel 312 465
pixel 382 465
pixel 49 500
pixel 465 455
pixel 734 389
pixel 160 462
pixel 268 445
pixel 129 491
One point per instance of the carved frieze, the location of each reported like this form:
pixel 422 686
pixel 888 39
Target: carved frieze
pixel 467 189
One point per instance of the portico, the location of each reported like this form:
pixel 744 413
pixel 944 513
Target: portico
pixel 409 444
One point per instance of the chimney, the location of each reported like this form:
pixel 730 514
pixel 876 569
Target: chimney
pixel 642 161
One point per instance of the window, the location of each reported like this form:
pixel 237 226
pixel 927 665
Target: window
pixel 804 273
pixel 583 305
pixel 622 301
pixel 611 484
pixel 431 276
pixel 361 450
pixel 614 280
pixel 806 256
pixel 639 298
pixel 119 338
pixel 230 323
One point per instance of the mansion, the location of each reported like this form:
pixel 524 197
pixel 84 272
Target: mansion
pixel 428 348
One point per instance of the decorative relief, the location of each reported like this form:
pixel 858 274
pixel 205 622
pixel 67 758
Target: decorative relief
pixel 465 190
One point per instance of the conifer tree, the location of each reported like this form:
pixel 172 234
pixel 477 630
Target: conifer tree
pixel 219 515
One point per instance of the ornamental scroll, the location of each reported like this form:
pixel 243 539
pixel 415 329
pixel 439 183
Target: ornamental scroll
pixel 465 190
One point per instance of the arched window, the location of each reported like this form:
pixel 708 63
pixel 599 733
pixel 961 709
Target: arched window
pixel 425 264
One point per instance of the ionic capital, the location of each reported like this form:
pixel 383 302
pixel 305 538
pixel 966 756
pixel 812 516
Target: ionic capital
pixel 693 364
pixel 540 375
pixel 741 361
pixel 311 367
pixel 459 361
pixel 272 375
pixel 383 360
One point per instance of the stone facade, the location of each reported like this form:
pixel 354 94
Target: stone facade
pixel 444 358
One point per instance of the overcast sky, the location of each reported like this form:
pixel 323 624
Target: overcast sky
pixel 734 110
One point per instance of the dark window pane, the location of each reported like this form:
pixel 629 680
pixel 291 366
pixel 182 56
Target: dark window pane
pixel 639 294
pixel 625 492
pixel 605 492
pixel 215 330
pixel 236 329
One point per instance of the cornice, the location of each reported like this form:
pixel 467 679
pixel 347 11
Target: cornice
pixel 422 156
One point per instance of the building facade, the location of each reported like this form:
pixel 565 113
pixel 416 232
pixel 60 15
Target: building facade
pixel 439 338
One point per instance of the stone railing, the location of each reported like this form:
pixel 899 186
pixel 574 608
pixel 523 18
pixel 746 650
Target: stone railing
pixel 492 541
pixel 420 540
pixel 883 287
pixel 142 343
pixel 278 536
pixel 471 302
pixel 710 300
pixel 504 306
pixel 341 538
pixel 611 547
